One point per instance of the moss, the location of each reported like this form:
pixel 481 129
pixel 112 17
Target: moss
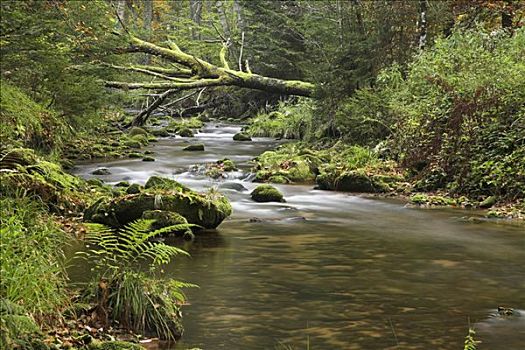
pixel 133 189
pixel 194 147
pixel 227 164
pixel 143 139
pixel 137 131
pixel 432 200
pixel 132 143
pixel 158 182
pixel 148 159
pixel 267 193
pixel 191 123
pixel 185 132
pixel 134 155
pixel 122 184
pixel 488 202
pixel 113 345
pixel 162 132
pixel 241 137
pixel 95 182
pixel 278 179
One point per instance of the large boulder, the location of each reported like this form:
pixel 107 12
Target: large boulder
pixel 206 210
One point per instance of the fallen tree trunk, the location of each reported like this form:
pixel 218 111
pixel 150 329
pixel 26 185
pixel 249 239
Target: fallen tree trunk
pixel 190 72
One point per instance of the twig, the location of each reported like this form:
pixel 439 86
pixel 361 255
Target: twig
pixel 393 331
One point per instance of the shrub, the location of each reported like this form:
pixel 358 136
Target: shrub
pixel 290 121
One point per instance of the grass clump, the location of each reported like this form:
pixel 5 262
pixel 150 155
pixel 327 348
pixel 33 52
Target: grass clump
pixel 32 287
pixel 25 123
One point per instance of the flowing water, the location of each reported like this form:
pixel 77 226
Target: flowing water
pixel 329 270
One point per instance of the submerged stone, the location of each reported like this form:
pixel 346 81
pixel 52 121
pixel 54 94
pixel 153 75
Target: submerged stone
pixel 195 147
pixel 267 193
pixel 233 186
pixel 148 159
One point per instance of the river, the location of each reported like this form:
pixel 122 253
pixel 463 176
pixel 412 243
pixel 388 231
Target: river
pixel 329 270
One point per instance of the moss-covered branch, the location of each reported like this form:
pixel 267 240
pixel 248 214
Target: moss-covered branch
pixel 205 74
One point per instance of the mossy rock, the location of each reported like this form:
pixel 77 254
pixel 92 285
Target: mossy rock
pixel 158 182
pixel 122 184
pixel 17 156
pixel 357 181
pixel 134 155
pixel 137 131
pixel 206 211
pixel 185 132
pixel 241 137
pixel 143 139
pixel 148 159
pixel 132 143
pixel 278 179
pixel 101 171
pixel 133 189
pixel 267 193
pixel 95 182
pixel 488 202
pixel 149 152
pixel 194 147
pixel 227 164
pixel 162 132
pixel 113 345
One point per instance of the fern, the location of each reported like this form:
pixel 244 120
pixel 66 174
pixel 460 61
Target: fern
pixel 470 342
pixel 122 290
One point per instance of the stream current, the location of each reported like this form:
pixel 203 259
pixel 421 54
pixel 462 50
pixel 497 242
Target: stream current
pixel 329 270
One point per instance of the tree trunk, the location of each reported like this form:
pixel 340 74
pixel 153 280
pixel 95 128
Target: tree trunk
pixel 422 24
pixel 196 17
pixel 506 15
pixel 121 8
pixel 148 18
pixel 224 20
pixel 198 73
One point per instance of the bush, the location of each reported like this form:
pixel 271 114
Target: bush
pixel 455 118
pixel 290 121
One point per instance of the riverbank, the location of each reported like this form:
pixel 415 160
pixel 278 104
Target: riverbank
pixel 346 168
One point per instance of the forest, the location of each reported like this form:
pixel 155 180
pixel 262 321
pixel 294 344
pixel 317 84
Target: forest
pixel 262 174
